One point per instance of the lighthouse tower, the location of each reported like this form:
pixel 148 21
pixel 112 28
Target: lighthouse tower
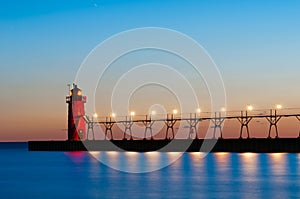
pixel 76 123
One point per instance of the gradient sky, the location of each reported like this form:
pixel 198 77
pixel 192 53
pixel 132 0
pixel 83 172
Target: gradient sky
pixel 255 44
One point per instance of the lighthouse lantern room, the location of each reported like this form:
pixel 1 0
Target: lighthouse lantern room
pixel 76 123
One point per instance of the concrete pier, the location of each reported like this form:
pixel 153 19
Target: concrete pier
pixel 278 145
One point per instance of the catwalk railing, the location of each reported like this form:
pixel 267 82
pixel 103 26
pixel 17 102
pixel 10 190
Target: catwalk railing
pixel 272 116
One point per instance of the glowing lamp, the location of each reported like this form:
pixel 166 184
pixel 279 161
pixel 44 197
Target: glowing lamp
pixel 278 106
pixel 250 108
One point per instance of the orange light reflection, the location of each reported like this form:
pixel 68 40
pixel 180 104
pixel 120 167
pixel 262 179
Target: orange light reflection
pixel 131 153
pixel 112 153
pixel 249 161
pixel 222 157
pixel 278 163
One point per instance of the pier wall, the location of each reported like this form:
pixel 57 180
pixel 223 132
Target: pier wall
pixel 283 145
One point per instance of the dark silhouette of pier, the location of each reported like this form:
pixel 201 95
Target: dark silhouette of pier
pixel 190 144
pixel 272 116
pixel 279 145
pixel 80 126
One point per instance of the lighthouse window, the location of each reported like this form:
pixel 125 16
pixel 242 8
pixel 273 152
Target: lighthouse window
pixel 80 133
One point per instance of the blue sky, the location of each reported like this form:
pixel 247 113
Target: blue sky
pixel 256 45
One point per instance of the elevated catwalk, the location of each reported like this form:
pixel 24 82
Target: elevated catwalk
pixel 282 145
pixel 81 127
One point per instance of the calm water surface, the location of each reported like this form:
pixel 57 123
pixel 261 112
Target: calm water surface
pixel 26 174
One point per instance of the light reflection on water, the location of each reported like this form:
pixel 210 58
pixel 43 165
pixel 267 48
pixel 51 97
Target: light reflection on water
pixel 134 162
pixel 152 158
pixel 244 175
pixel 218 175
pixel 278 163
pixel 197 159
pixel 299 163
pixel 249 163
pixel 249 174
pixel 222 159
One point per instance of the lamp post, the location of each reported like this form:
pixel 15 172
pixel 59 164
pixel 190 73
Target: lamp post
pixel 245 120
pixel 274 119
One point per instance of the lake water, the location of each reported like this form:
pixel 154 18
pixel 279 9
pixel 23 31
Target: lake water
pixel 26 174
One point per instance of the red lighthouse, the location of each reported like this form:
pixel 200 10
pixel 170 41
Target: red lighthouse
pixel 76 123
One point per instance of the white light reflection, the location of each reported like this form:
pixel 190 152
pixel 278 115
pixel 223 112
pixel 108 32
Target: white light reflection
pixel 131 153
pixel 131 162
pixel 278 163
pixel 112 157
pixel 94 169
pixel 222 160
pixel 112 153
pixel 249 163
pixel 153 159
pixel 197 155
pixel 298 162
pixel 152 154
pixel 94 153
pixel 198 159
pixel 222 157
pixel 173 155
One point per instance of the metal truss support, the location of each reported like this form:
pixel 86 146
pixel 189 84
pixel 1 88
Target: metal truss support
pixel 273 120
pixel 90 126
pixel 244 120
pixel 298 118
pixel 128 124
pixel 148 127
pixel 170 122
pixel 193 122
pixel 90 129
pixel 108 127
pixel 218 121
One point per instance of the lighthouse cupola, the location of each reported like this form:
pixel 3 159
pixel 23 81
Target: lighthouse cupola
pixel 76 111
